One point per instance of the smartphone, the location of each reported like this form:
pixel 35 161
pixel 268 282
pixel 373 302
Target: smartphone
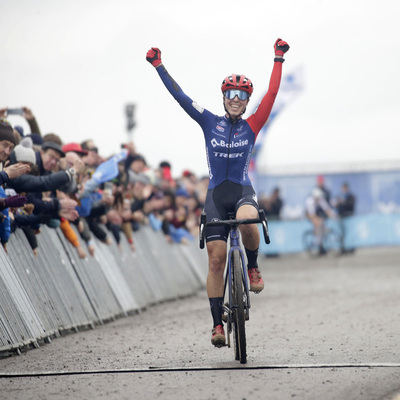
pixel 15 111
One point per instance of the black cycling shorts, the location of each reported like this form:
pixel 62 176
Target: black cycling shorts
pixel 222 203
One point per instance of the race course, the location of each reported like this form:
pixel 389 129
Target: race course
pixel 323 328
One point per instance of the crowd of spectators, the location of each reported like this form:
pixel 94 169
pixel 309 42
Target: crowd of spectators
pixel 46 181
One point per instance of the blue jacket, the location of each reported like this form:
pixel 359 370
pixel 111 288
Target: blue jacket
pixel 5 228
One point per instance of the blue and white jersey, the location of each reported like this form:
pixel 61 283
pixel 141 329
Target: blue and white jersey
pixel 229 145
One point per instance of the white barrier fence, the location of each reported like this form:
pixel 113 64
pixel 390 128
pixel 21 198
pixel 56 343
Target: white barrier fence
pixel 42 297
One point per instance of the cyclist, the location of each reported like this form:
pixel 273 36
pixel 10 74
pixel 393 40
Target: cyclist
pixel 229 141
pixel 317 210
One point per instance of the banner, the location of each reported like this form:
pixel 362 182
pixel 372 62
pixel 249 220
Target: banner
pixel 291 86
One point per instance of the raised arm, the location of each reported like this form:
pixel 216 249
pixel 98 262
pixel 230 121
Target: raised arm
pixel 260 117
pixel 191 107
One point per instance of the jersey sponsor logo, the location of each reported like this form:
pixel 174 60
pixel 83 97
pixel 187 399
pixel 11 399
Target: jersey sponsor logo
pixel 223 123
pixel 238 134
pixel 226 155
pixel 220 128
pixel 200 109
pixel 239 129
pixel 222 143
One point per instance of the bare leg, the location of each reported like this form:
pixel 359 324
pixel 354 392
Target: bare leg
pixel 216 266
pixel 251 242
pixel 250 233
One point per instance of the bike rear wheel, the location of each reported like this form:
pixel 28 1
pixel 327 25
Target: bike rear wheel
pixel 239 331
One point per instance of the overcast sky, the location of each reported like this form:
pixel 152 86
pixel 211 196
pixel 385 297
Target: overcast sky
pixel 76 64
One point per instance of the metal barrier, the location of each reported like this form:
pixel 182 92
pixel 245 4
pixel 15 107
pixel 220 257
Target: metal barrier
pixel 41 297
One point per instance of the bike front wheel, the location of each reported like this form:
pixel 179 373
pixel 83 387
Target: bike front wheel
pixel 310 244
pixel 239 331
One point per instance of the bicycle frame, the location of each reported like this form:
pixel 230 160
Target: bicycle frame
pixel 234 236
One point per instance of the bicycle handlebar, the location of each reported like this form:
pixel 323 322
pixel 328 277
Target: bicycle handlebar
pixel 262 219
pixel 234 222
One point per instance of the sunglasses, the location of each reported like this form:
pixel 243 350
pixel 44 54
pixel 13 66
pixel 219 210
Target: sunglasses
pixel 232 93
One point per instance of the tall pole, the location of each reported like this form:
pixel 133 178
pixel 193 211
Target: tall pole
pixel 130 119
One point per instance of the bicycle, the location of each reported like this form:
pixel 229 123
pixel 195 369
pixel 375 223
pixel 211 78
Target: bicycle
pixel 332 242
pixel 236 289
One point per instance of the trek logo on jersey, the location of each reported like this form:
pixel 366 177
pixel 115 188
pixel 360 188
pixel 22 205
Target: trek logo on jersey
pixel 197 107
pixel 226 155
pixel 222 143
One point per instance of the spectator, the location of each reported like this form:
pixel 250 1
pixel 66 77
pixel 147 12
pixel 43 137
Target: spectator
pixel 315 202
pixel 325 190
pixel 48 158
pixel 24 152
pixel 345 205
pixel 92 158
pixel 272 205
pixel 52 137
pixel 345 202
pixel 73 159
pixel 50 176
pixel 7 144
pixel 135 165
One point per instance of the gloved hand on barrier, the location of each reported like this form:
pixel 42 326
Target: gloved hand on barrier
pixel 12 201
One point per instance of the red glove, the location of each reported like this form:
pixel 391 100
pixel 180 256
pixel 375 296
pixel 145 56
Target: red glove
pixel 281 47
pixel 153 56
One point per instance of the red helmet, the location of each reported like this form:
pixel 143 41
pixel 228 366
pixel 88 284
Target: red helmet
pixel 237 82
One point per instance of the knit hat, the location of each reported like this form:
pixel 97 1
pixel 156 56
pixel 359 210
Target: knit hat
pixel 24 152
pixel 6 132
pixel 19 129
pixel 36 138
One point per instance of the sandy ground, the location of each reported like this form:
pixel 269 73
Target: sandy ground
pixel 325 328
